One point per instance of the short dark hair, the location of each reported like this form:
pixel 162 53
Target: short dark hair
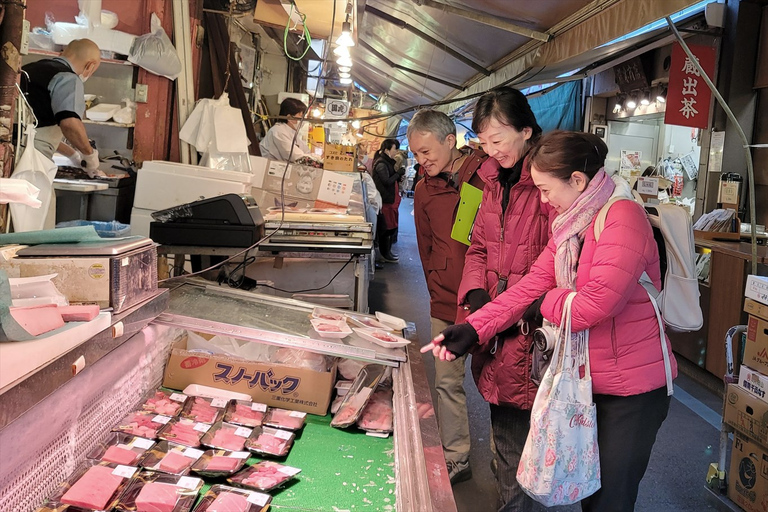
pixel 386 145
pixel 508 106
pixel 291 107
pixel 560 153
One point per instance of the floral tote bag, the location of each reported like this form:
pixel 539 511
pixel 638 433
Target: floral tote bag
pixel 560 463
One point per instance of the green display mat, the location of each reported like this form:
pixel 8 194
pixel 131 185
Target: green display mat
pixel 341 470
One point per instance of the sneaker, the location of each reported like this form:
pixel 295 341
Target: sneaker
pixel 458 471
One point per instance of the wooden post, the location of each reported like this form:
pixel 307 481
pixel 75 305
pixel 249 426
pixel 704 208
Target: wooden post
pixel 12 18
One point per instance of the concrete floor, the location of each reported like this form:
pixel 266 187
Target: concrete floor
pixel 687 442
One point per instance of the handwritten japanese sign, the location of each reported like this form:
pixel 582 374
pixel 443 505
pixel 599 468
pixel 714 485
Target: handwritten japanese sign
pixel 688 96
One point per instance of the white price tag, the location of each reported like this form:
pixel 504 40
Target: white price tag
pixel 124 471
pixel 297 414
pixel 259 407
pixel 282 434
pixel 648 186
pixel 178 397
pixel 219 402
pixel 258 499
pixel 288 470
pixel 161 419
pixel 201 427
pixel 193 453
pixel 124 446
pixel 243 432
pixel 240 455
pixel 142 443
pixel 189 482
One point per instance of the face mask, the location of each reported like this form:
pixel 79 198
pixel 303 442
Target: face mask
pixel 84 78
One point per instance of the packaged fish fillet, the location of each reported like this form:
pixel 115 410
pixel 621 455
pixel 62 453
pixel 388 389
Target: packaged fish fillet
pixel 218 463
pixel 159 492
pixel 357 398
pixel 142 424
pixel 285 419
pixel 222 498
pixel 264 476
pixel 167 403
pixel 270 441
pixel 168 457
pixel 184 431
pixel 94 486
pixel 121 448
pixel 248 414
pixel 204 410
pixel 226 436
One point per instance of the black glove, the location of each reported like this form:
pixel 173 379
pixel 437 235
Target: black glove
pixel 532 315
pixel 477 298
pixel 460 338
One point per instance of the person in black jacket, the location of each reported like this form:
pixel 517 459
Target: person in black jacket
pixel 386 178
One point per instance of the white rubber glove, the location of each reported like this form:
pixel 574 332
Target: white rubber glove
pixel 76 159
pixel 92 165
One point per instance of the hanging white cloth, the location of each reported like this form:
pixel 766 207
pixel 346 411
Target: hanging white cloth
pixel 34 168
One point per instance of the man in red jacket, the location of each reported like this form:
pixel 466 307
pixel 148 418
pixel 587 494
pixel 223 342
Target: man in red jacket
pixel 432 139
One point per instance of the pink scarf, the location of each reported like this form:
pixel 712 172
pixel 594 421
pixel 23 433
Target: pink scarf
pixel 568 228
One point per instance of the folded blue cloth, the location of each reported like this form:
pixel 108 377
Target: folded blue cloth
pixel 52 236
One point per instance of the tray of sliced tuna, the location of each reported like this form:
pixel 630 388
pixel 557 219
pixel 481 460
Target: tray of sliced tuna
pixel 222 498
pixel 204 410
pixel 158 492
pixel 285 419
pixel 270 441
pixel 142 424
pixel 217 463
pixel 93 486
pixel 226 436
pixel 121 449
pixel 169 457
pixel 264 476
pixel 166 403
pixel 248 414
pixel 358 396
pixel 184 431
pixel 378 414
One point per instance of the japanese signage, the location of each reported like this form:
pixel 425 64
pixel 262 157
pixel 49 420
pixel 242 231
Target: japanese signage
pixel 337 108
pixel 630 75
pixel 688 96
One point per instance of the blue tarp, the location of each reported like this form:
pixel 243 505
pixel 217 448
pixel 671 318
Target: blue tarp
pixel 560 108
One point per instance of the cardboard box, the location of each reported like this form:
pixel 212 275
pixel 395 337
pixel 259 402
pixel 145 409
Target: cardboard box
pixel 337 157
pixel 746 413
pixel 278 385
pixel 748 476
pixel 757 289
pixel 756 347
pixel 756 309
pixel 754 382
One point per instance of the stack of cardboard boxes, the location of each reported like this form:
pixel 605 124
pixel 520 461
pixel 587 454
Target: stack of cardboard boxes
pixel 746 407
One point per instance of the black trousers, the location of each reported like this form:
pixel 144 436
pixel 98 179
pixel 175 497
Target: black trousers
pixel 626 431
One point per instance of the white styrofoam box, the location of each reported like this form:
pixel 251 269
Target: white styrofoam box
pixel 161 185
pixel 757 289
pixel 754 382
pixel 259 166
pixel 102 111
pixel 140 220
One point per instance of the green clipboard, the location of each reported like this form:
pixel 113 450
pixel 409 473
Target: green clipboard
pixel 469 203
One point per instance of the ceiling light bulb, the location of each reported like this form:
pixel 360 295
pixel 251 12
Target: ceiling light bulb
pixel 631 103
pixel 384 108
pixel 355 124
pixel 345 39
pixel 662 97
pixel 345 75
pixel 345 81
pixel 316 112
pixel 645 101
pixel 341 51
pixel 344 69
pixel 344 62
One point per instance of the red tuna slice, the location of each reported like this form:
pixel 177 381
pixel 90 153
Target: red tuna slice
pixel 94 489
pixel 82 313
pixel 183 434
pixel 229 502
pixel 175 462
pixel 161 404
pixel 222 463
pixel 157 497
pixel 271 444
pixel 245 415
pixel 283 418
pixel 203 411
pixel 119 455
pixel 226 438
pixel 37 320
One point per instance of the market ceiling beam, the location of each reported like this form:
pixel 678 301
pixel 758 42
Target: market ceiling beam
pixel 486 20
pixel 421 91
pixel 408 70
pixel 426 37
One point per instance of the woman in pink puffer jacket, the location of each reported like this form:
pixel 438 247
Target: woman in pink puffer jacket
pixel 625 348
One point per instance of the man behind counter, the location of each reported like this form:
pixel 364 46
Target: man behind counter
pixel 54 89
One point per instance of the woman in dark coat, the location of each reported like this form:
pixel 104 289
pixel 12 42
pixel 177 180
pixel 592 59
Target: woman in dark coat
pixel 386 178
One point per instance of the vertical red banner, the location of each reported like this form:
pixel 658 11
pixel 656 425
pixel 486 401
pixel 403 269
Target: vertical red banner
pixel 688 96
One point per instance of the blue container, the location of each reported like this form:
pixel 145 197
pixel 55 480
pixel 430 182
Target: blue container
pixel 111 229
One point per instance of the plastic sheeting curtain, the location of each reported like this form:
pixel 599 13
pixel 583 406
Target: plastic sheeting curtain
pixel 559 109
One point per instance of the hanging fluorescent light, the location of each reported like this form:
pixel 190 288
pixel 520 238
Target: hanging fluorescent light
pixel 344 62
pixel 345 81
pixel 344 69
pixel 344 75
pixel 345 39
pixel 341 51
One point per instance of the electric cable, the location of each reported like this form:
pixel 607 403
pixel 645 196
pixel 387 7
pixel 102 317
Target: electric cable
pixel 307 37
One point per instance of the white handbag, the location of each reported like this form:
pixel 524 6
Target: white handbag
pixel 560 463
